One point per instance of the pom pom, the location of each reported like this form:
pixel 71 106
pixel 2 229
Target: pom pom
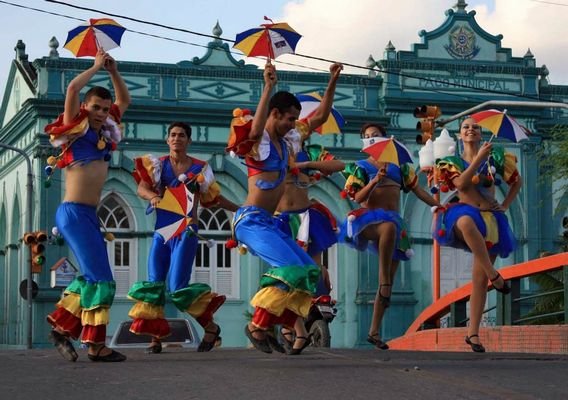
pixel 200 178
pixel 210 243
pixel 493 170
pixel 409 253
pixel 295 171
pixel 301 243
pixel 243 250
pixel 237 112
pixel 231 244
pixel 101 144
pixel 233 154
pixel 403 234
pixel 343 194
pixel 48 170
pixel 51 160
pixel 434 209
pixel 351 218
pixel 60 164
pixel 182 178
pixel 489 245
pixel 113 146
pixel 441 232
pixel 55 231
pixel 498 182
pixel 246 111
pixel 109 237
pixel 434 189
pixel 444 188
pixel 47 184
pixel 317 176
pixel 475 179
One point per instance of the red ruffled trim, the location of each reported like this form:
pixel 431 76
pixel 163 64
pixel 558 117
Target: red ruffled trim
pixel 65 321
pixel 94 334
pixel 57 127
pixel 240 143
pixel 265 320
pixel 158 328
pixel 207 316
pixel 325 211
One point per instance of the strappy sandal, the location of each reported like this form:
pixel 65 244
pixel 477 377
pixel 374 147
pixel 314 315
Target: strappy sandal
pixel 259 344
pixel 385 300
pixel 208 345
pixel 113 356
pixel 155 347
pixel 378 343
pixel 63 346
pixel 476 347
pixel 307 341
pixel 505 289
pixel 288 338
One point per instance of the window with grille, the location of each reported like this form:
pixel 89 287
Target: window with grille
pixel 216 265
pixel 115 217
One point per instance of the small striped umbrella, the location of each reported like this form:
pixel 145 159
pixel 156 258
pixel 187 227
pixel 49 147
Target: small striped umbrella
pixel 87 39
pixel 310 103
pixel 173 212
pixel 387 150
pixel 501 124
pixel 270 40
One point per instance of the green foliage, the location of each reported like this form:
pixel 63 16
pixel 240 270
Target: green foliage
pixel 555 154
pixel 550 303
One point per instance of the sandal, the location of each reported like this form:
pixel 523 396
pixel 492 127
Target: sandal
pixel 505 289
pixel 274 343
pixel 155 347
pixel 476 347
pixel 113 356
pixel 63 346
pixel 297 351
pixel 208 345
pixel 385 300
pixel 259 344
pixel 378 343
pixel 288 337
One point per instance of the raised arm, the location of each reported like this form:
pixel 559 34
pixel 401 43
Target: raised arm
pixel 261 114
pixel 463 181
pixel 72 99
pixel 322 112
pixel 326 166
pixel 122 95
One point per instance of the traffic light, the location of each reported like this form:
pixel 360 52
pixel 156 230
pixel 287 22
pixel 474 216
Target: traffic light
pixel 35 241
pixel 427 123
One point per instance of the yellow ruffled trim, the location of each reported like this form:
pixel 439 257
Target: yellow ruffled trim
pixel 198 307
pixel 98 316
pixel 492 234
pixel 410 179
pixel 71 303
pixel 510 168
pixel 212 195
pixel 146 311
pixel 276 300
pixel 303 128
pixel 353 180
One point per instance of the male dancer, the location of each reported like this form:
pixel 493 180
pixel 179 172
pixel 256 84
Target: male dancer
pixel 287 288
pixel 87 133
pixel 172 260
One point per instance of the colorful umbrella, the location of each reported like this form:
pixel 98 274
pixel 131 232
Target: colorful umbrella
pixel 310 103
pixel 387 150
pixel 501 124
pixel 87 39
pixel 270 40
pixel 172 212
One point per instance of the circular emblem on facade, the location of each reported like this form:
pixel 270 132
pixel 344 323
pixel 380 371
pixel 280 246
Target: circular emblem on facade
pixel 462 43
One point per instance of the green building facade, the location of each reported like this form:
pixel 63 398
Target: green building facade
pixel 456 66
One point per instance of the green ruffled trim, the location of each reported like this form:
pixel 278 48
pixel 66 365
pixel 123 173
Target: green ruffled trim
pixel 185 297
pixel 149 292
pixel 498 156
pixel 315 152
pixel 297 278
pixel 451 160
pixel 353 169
pixel 93 295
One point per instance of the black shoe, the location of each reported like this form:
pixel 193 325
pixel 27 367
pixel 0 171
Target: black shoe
pixel 63 346
pixel 476 347
pixel 208 346
pixel 298 351
pixel 154 348
pixel 259 344
pixel 385 300
pixel 114 356
pixel 378 343
pixel 287 338
pixel 505 289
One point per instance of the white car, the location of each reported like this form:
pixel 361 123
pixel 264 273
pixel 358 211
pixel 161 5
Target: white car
pixel 183 334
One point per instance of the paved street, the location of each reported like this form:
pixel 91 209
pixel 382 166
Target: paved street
pixel 318 374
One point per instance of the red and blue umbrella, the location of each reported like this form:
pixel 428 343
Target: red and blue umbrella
pixel 388 150
pixel 310 103
pixel 501 124
pixel 87 39
pixel 269 40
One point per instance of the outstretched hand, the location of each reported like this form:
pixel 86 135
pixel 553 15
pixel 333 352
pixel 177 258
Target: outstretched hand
pixel 335 69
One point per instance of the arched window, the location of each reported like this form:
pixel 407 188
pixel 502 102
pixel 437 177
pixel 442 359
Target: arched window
pixel 216 266
pixel 116 218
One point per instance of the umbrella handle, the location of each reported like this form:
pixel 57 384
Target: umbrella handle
pixel 149 209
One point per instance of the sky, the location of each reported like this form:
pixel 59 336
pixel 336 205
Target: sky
pixel 340 30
